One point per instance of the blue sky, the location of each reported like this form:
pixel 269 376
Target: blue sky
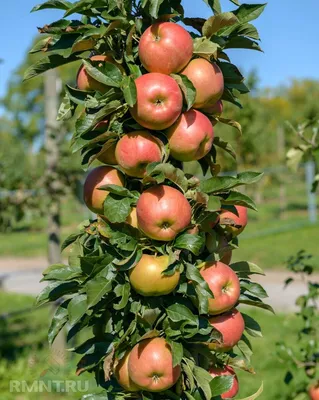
pixel 288 28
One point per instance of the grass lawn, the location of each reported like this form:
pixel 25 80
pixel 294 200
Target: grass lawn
pixel 24 352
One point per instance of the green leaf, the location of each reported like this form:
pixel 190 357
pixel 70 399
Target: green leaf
pixel 154 7
pixel 161 171
pixel 251 326
pixel 66 109
pixel 246 268
pixel 59 319
pixel 214 5
pixel 256 395
pixel 77 308
pixel 203 47
pixel 255 302
pixel 246 30
pixel 56 4
pixel 225 146
pixel 244 347
pixel 129 90
pixel 54 291
pixel 245 13
pixel 222 183
pixel 241 42
pixel 178 312
pixel 122 291
pixel 233 124
pixel 213 204
pixel 117 208
pixel 254 288
pixel 70 239
pixel 187 89
pixel 96 289
pixel 221 384
pixel 202 290
pixel 217 22
pixel 230 72
pixel 240 199
pixel 190 242
pixel 46 63
pixel 108 73
pixel 203 379
pixel 61 272
pixel 177 351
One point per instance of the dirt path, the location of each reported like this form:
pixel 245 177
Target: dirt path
pixel 23 276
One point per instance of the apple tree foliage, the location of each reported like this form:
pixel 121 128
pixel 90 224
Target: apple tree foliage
pixel 93 288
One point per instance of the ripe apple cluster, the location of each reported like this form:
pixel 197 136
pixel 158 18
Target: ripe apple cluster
pixel 162 211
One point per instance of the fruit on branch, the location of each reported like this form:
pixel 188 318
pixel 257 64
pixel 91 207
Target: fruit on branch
pixel 122 375
pixel 94 197
pixel 132 218
pixel 150 365
pixel 207 79
pixel 108 154
pixel 224 284
pixel 165 47
pixel 87 82
pixel 216 109
pixel 231 325
pixel 314 392
pixel 159 101
pixel 235 222
pixel 226 371
pixel 136 150
pixel 163 212
pixel 147 276
pixel 191 137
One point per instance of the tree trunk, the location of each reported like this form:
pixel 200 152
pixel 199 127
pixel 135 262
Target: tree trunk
pixel 58 352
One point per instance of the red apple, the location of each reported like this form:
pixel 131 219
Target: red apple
pixel 150 365
pixel 235 223
pixel 231 325
pixel 207 79
pixel 224 284
pixel 103 175
pixel 86 82
pixel 136 150
pixel 225 371
pixel 215 109
pixel 147 276
pixel 191 137
pixel 165 47
pixel 314 392
pixel 163 212
pixel 159 101
pixel 122 375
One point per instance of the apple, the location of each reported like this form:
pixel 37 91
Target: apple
pixel 135 150
pixel 225 371
pixel 207 79
pixel 191 137
pixel 147 276
pixel 165 47
pixel 231 325
pixel 216 109
pixel 314 392
pixel 163 212
pixel 224 284
pixel 87 82
pixel 159 101
pixel 132 218
pixel 122 375
pixel 235 223
pixel 150 365
pixel 94 197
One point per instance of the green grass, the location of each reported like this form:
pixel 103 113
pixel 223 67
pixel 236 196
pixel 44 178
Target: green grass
pixel 24 353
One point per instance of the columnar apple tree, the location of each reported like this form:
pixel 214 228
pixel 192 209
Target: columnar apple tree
pixel 151 277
